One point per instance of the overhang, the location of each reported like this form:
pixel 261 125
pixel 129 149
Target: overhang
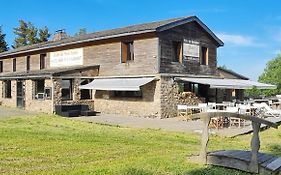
pixel 219 83
pixel 118 84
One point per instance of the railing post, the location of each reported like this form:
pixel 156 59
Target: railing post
pixel 255 145
pixel 205 138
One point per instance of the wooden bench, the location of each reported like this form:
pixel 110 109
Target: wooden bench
pixel 249 161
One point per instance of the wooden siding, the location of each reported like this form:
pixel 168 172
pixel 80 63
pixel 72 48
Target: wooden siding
pixel 108 56
pixel 194 32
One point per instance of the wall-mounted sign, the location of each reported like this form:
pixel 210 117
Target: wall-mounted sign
pixel 72 57
pixel 191 50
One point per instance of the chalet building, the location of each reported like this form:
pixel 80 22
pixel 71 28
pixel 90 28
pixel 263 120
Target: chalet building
pixel 140 70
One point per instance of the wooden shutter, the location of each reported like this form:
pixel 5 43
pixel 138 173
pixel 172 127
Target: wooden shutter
pixel 180 52
pixel 124 52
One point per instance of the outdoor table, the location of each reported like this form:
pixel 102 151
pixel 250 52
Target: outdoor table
pixel 221 106
pixel 194 108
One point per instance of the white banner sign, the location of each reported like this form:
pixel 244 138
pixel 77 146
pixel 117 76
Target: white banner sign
pixel 72 57
pixel 191 50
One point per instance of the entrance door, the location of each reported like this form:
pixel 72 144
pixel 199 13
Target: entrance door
pixel 20 94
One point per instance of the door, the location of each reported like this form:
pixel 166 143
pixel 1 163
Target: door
pixel 20 94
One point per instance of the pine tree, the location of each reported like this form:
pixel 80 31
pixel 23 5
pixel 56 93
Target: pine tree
pixel 31 34
pixel 21 33
pixel 44 34
pixel 81 31
pixel 3 43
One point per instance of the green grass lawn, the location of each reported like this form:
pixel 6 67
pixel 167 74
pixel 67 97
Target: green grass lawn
pixel 49 144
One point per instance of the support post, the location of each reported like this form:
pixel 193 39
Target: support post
pixel 205 139
pixel 255 145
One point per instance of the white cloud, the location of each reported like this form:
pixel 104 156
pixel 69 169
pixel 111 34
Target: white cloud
pixel 237 39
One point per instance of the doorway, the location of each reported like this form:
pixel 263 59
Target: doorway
pixel 20 94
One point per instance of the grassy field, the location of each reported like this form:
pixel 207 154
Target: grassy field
pixel 49 144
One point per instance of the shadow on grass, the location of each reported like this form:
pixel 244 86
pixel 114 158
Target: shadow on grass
pixel 275 149
pixel 136 171
pixel 214 170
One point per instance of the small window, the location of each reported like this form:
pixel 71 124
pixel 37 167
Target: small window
pixel 7 89
pixel 85 93
pixel 39 89
pixel 66 89
pixel 14 65
pixel 128 94
pixel 1 66
pixel 48 93
pixel 177 50
pixel 28 63
pixel 127 51
pixel 42 61
pixel 204 56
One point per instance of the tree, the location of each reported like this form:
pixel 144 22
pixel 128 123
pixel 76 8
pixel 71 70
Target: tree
pixel 44 34
pixel 21 32
pixel 3 43
pixel 271 75
pixel 28 34
pixel 81 31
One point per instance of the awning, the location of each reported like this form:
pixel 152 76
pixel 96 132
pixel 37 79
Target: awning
pixel 228 83
pixel 118 84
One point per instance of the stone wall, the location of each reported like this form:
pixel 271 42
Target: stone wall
pixel 32 104
pixel 10 102
pixel 171 97
pixel 147 106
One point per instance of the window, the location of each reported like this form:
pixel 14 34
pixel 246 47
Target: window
pixel 177 50
pixel 48 93
pixel 191 87
pixel 127 51
pixel 130 94
pixel 66 89
pixel 14 65
pixel 85 93
pixel 42 61
pixel 7 89
pixel 28 63
pixel 204 56
pixel 1 66
pixel 39 89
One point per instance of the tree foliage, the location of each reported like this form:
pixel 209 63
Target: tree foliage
pixel 81 31
pixel 3 43
pixel 27 34
pixel 271 75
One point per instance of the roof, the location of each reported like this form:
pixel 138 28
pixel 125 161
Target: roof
pixel 157 26
pixel 45 72
pixel 225 83
pixel 233 73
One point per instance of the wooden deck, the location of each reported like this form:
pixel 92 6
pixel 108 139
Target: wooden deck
pixel 238 159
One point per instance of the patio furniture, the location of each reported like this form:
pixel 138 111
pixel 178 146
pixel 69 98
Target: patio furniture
pixel 183 112
pixel 75 110
pixel 271 112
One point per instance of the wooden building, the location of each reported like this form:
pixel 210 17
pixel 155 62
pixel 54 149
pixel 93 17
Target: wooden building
pixel 135 70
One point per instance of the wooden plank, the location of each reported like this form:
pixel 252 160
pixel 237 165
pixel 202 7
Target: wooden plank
pixel 205 140
pixel 255 145
pixel 274 165
pixel 229 114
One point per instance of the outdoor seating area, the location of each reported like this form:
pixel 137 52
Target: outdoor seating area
pixel 74 110
pixel 261 110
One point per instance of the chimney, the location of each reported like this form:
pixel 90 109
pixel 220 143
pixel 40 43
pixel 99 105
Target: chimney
pixel 60 35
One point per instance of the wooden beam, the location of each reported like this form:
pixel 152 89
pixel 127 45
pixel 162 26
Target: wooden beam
pixel 255 145
pixel 235 115
pixel 205 140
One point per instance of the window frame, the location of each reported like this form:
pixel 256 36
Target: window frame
pixel 5 94
pixel 1 67
pixel 42 61
pixel 83 82
pixel 35 90
pixel 70 90
pixel 14 64
pixel 204 56
pixel 127 51
pixel 177 51
pixel 27 63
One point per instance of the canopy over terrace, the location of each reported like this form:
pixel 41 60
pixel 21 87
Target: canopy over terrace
pixel 219 83
pixel 118 84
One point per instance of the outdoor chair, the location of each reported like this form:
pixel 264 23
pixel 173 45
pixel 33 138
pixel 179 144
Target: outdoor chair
pixel 183 112
pixel 271 112
pixel 204 106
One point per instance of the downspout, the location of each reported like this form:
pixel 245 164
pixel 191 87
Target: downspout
pixel 52 94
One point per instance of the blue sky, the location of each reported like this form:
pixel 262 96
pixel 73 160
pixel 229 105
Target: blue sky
pixel 250 29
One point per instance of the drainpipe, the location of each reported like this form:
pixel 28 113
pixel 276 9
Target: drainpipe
pixel 52 94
